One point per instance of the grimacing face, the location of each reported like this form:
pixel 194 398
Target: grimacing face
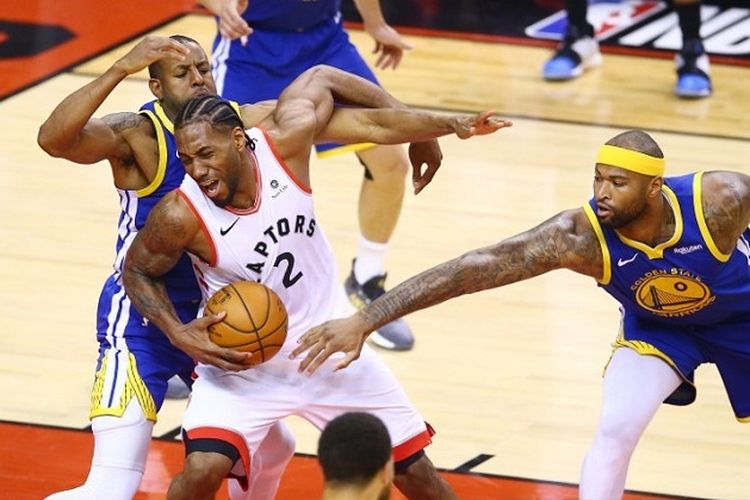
pixel 211 156
pixel 620 195
pixel 180 81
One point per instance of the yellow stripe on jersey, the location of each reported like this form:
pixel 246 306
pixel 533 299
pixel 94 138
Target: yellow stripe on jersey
pixel 606 259
pixel 161 168
pixel 163 117
pixel 701 218
pixel 133 386
pixel 658 251
pixel 349 148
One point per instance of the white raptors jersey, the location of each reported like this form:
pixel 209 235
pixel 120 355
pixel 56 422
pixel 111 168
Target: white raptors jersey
pixel 277 242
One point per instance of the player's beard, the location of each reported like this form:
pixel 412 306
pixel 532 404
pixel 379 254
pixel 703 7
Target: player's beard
pixel 231 181
pixel 623 217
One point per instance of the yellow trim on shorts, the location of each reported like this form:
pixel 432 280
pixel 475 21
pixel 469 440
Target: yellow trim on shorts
pixel 348 148
pixel 743 420
pixel 606 259
pixel 644 348
pixel 161 168
pixel 701 218
pixel 657 252
pixel 134 386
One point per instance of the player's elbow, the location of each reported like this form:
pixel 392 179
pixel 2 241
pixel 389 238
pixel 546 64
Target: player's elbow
pixel 46 140
pixel 52 143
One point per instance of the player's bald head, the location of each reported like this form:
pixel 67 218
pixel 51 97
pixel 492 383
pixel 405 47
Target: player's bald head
pixel 637 140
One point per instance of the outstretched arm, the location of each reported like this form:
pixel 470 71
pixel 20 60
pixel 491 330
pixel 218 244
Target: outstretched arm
pixel 305 107
pixel 70 131
pixel 395 126
pixel 565 241
pixel 171 229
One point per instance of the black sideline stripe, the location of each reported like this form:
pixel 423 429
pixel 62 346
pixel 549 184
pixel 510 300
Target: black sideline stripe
pixel 467 466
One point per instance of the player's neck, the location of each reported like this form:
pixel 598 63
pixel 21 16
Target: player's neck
pixel 247 190
pixel 654 226
pixel 351 492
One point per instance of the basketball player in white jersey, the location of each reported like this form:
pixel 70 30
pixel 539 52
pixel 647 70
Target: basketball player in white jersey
pixel 136 359
pixel 245 212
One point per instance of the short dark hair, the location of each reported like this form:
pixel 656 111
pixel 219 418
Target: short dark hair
pixel 208 108
pixel 353 448
pixel 154 69
pixel 637 140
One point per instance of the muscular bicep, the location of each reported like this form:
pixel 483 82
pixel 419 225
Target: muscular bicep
pixel 100 139
pixel 170 230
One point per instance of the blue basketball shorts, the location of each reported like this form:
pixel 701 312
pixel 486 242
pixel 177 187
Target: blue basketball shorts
pixel 727 345
pixel 135 358
pixel 271 60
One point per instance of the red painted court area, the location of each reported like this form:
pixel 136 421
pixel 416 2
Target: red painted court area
pixel 37 460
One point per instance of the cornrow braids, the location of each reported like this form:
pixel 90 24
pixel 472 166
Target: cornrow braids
pixel 208 108
pixel 213 110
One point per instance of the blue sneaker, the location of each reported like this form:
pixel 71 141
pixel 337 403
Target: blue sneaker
pixel 396 335
pixel 575 54
pixel 693 80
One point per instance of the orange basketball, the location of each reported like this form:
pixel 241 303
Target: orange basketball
pixel 256 319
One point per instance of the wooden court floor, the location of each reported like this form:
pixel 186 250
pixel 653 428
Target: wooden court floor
pixel 511 375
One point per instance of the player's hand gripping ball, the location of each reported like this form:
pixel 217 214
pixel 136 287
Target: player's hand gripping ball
pixel 256 319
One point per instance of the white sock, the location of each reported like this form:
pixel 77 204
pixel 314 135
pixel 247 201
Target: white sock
pixel 370 260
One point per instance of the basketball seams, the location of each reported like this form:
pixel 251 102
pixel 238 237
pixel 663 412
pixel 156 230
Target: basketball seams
pixel 241 339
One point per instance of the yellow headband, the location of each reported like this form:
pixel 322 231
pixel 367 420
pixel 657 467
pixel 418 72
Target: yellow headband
pixel 628 159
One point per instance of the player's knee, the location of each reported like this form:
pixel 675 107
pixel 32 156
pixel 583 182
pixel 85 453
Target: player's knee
pixel 416 477
pixel 385 163
pixel 618 433
pixel 205 471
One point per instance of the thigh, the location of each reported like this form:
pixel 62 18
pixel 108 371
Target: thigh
pixel 676 346
pixel 729 348
pixel 368 385
pixel 236 406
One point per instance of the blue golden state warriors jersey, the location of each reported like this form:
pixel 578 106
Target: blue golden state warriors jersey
pixel 136 205
pixel 683 281
pixel 289 15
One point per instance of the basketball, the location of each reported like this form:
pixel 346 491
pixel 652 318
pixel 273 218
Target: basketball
pixel 255 321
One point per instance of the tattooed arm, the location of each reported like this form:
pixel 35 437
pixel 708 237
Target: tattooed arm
pixel 170 230
pixel 726 207
pixel 566 241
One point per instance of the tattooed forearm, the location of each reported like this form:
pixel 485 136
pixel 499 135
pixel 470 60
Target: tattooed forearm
pixel 150 297
pixel 552 245
pixel 154 252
